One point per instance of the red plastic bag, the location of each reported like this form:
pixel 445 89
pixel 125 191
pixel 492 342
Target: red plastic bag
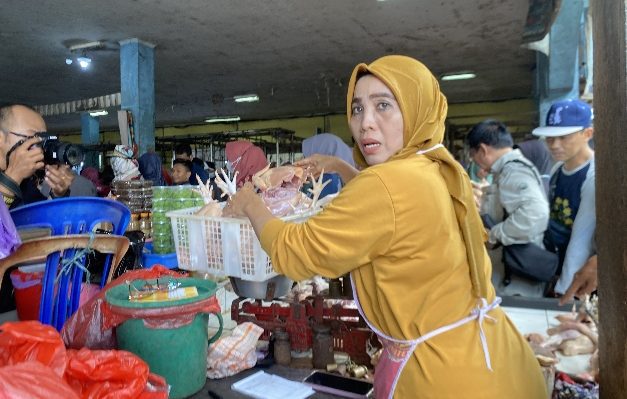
pixel 162 318
pixel 109 374
pixel 33 380
pixel 90 326
pixel 32 341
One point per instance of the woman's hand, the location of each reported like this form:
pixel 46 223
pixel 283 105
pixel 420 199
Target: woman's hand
pixel 247 203
pixel 317 163
pixel 236 205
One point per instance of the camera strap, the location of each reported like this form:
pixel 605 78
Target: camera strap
pixel 19 143
pixel 10 184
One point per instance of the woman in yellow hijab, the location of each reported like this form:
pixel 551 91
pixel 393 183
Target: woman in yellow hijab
pixel 407 230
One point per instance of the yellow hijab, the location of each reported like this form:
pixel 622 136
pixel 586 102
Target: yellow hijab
pixel 424 109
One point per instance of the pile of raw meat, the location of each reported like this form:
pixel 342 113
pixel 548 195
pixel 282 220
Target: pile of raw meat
pixel 280 189
pixel 575 335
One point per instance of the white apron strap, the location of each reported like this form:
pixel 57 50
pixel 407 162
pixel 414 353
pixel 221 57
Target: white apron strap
pixel 435 147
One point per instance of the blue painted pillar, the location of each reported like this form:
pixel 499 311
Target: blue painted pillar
pixel 558 74
pixel 137 81
pixel 90 134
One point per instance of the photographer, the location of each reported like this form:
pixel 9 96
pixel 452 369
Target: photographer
pixel 21 157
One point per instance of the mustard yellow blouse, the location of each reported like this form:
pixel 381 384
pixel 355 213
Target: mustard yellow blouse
pixel 411 276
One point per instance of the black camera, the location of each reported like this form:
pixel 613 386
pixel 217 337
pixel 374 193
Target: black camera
pixel 59 152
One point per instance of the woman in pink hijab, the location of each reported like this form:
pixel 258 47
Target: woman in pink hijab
pixel 245 158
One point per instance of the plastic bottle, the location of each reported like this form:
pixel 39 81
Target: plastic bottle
pixel 145 225
pixel 134 223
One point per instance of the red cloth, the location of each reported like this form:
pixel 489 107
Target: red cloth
pixel 252 159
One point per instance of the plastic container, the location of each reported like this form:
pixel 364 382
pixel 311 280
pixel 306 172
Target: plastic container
pixel 167 260
pixel 176 351
pixel 27 284
pixel 222 246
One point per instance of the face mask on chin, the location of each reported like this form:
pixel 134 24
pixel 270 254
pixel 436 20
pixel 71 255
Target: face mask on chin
pixel 230 167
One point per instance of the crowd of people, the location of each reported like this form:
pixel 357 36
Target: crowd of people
pixel 428 278
pixel 541 207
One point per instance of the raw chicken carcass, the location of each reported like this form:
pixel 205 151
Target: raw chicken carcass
pixel 212 207
pixel 279 177
pixel 280 189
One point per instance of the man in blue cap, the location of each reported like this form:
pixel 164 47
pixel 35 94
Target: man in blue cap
pixel 572 220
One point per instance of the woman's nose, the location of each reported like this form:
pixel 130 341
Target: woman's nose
pixel 367 120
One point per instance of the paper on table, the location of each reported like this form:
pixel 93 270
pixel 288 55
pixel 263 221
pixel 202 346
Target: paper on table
pixel 268 386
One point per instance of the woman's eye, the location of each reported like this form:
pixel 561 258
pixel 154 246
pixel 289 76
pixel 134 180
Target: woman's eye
pixel 356 109
pixel 383 106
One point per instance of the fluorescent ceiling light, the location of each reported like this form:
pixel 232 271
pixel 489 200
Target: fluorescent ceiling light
pixel 217 119
pixel 246 98
pixel 100 112
pixel 458 76
pixel 86 45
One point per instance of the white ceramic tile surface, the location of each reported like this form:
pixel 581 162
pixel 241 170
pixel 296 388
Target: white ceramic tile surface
pixel 528 320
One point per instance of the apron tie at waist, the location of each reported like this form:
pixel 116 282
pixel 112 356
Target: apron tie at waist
pixel 481 313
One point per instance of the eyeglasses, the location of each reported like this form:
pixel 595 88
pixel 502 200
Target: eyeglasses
pixel 25 136
pixel 148 289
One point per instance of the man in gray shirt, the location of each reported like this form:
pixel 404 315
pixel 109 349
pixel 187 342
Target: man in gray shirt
pixel 516 200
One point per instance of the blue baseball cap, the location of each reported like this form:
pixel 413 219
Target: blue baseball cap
pixel 565 117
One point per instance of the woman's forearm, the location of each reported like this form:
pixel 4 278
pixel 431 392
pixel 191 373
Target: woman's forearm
pixel 345 170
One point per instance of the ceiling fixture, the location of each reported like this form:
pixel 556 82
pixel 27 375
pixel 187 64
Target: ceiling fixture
pixel 458 75
pixel 246 98
pixel 85 46
pixel 99 112
pixel 83 61
pixel 218 119
pixel 79 53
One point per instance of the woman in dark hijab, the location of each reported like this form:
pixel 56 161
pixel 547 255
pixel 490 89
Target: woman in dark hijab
pixel 150 168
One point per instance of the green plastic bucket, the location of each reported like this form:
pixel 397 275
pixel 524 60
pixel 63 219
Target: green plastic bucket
pixel 177 354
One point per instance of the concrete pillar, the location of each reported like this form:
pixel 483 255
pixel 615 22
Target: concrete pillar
pixel 610 119
pixel 558 74
pixel 137 81
pixel 90 134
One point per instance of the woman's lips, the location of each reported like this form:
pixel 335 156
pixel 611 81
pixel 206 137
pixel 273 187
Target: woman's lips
pixel 370 147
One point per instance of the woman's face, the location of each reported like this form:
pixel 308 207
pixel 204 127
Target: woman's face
pixel 376 120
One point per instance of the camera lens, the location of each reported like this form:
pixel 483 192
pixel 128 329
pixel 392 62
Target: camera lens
pixel 72 154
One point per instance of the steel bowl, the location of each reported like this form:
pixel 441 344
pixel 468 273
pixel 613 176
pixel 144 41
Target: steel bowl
pixel 274 287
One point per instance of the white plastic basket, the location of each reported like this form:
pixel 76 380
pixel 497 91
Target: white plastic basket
pixel 222 246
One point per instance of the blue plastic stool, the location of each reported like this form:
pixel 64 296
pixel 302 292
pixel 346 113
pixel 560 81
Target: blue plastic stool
pixel 73 215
